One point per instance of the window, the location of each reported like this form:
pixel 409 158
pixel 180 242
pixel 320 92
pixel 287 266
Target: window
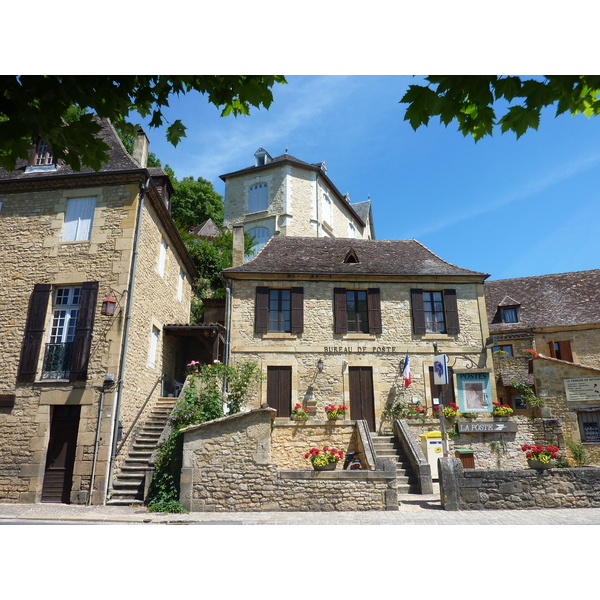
pixel 153 347
pixel 327 212
pixel 561 350
pixel 357 311
pixel 351 230
pixel 434 311
pixel 509 315
pixel 180 285
pixel 508 349
pixel 43 154
pixel 261 236
pixel 69 334
pixel 59 349
pixel 78 219
pixel 279 310
pixel 162 257
pixel 589 426
pixel 257 198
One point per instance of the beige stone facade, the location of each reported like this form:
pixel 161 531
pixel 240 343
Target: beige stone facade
pixel 321 362
pixel 36 405
pixel 300 200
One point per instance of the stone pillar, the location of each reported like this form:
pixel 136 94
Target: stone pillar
pixel 238 245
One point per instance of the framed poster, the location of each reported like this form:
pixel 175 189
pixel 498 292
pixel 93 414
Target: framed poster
pixel 474 392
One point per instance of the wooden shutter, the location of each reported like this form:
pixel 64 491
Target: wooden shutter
pixel 261 310
pixel 564 350
pixel 374 305
pixel 452 325
pixel 82 342
pixel 339 310
pixel 34 331
pixel 418 311
pixel 297 310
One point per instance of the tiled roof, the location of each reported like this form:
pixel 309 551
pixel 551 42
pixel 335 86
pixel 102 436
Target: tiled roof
pixel 326 256
pixel 119 160
pixel 560 300
pixel 206 230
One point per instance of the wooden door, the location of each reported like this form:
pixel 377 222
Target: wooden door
pixel 279 390
pixel 60 460
pixel 362 399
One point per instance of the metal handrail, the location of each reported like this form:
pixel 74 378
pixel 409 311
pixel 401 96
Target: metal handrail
pixel 163 376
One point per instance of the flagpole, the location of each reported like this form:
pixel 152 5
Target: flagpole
pixel 441 411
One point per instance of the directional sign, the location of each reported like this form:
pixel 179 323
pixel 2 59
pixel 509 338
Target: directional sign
pixel 486 427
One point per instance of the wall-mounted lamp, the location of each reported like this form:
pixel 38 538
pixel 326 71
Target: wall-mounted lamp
pixel 110 304
pixel 320 365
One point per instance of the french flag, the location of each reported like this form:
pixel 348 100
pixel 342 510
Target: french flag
pixel 406 371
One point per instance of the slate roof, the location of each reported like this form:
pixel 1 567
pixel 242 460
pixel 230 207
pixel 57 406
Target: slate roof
pixel 303 255
pixel 118 160
pixel 559 300
pixel 206 230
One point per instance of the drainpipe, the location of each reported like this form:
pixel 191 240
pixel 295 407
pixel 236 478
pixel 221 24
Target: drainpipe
pixel 96 443
pixel 227 321
pixel 119 392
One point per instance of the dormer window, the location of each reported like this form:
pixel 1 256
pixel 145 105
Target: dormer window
pixel 40 158
pixel 508 311
pixel 262 157
pixel 43 154
pixel 351 258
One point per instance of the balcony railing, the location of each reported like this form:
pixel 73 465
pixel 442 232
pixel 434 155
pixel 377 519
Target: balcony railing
pixel 57 361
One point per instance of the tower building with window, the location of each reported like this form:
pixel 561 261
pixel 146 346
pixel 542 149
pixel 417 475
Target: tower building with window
pixel 285 196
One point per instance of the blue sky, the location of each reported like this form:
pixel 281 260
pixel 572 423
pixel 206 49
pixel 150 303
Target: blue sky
pixel 507 207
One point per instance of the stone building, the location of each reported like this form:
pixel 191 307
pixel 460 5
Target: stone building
pixel 558 317
pixel 332 320
pixel 286 196
pixel 76 371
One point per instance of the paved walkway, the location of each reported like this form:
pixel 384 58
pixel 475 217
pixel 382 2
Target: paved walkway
pixel 413 510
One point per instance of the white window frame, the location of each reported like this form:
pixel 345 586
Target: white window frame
pixel 162 257
pixel 153 347
pixel 79 216
pixel 262 235
pixel 180 286
pixel 327 210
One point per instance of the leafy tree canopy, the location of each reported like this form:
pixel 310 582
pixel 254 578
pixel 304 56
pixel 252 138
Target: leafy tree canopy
pixel 473 100
pixel 40 106
pixel 194 201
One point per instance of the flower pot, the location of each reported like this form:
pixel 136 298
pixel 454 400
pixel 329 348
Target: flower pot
pixel 538 464
pixel 300 418
pixel 327 467
pixel 500 417
pixel 332 416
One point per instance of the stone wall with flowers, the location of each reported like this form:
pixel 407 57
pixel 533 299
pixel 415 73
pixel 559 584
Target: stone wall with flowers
pixel 479 489
pixel 496 450
pixel 229 465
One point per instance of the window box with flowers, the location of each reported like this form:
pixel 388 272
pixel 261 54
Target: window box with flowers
pixel 299 413
pixel 540 457
pixel 451 411
pixel 501 412
pixel 325 459
pixel 334 412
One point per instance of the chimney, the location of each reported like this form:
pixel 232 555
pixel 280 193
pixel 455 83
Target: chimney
pixel 238 246
pixel 140 149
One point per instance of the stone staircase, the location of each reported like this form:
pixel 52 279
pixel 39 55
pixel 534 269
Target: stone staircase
pixel 128 485
pixel 386 446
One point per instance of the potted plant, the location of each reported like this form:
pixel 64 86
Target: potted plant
pixel 193 366
pixel 501 411
pixel 299 413
pixel 325 459
pixel 540 457
pixel 333 412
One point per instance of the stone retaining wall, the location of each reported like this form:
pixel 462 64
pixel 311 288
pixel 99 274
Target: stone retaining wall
pixel 230 465
pixel 474 489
